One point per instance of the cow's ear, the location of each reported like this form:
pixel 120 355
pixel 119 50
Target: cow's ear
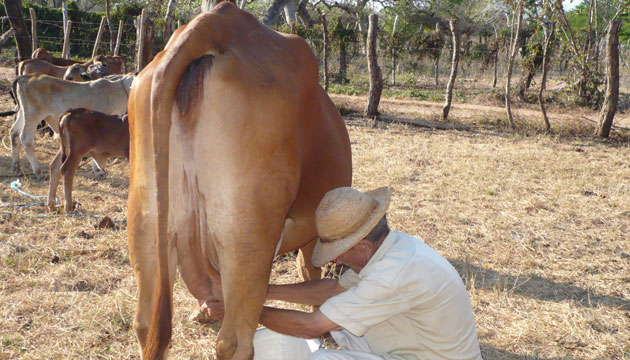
pixel 85 76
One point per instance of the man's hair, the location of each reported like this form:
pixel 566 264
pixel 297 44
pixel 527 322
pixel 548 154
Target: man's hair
pixel 379 231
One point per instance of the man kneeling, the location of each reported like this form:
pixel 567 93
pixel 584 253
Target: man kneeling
pixel 399 300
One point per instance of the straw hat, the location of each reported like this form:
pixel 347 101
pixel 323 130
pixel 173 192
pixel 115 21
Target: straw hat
pixel 344 217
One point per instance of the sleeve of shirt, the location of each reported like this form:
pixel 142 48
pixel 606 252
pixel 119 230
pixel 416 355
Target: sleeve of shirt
pixel 362 306
pixel 348 279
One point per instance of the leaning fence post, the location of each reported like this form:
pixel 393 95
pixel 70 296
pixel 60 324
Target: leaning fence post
pixel 98 37
pixel 118 38
pixel 33 28
pixel 65 53
pixel 140 40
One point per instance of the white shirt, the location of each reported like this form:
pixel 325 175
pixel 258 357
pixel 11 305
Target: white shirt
pixel 409 303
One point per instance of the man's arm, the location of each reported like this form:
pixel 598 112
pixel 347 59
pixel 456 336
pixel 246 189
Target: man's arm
pixel 297 323
pixel 313 292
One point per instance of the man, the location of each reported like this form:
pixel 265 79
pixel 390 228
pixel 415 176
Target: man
pixel 399 300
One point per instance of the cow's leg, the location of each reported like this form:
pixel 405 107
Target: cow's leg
pixel 98 165
pixel 69 166
pixel 27 136
pixel 15 131
pixel 304 262
pixel 245 268
pixel 55 176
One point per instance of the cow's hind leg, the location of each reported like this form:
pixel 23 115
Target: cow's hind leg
pixel 68 169
pixel 15 131
pixel 55 176
pixel 245 268
pixel 27 136
pixel 98 165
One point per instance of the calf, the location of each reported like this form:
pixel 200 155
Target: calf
pixel 81 132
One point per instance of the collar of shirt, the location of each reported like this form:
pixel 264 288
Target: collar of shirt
pixel 390 239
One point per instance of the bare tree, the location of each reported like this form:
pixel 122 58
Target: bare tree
pixel 109 25
pixel 454 64
pixel 514 40
pixel 325 46
pixel 549 32
pixel 612 75
pixel 168 19
pixel 376 77
pixel 22 37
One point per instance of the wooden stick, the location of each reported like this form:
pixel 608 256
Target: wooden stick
pixel 98 37
pixel 66 41
pixel 6 36
pixel 140 41
pixel 33 28
pixel 118 38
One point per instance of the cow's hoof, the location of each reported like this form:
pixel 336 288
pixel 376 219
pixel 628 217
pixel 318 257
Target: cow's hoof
pixel 51 206
pixel 70 207
pixel 200 317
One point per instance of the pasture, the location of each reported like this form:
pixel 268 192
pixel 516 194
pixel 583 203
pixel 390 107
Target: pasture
pixel 537 226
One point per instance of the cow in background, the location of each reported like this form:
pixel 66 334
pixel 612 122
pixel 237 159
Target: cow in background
pixel 233 145
pixel 44 97
pixel 82 132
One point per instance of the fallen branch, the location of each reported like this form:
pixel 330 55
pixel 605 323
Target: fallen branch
pixel 614 126
pixel 436 125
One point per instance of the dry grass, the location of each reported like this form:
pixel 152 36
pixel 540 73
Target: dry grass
pixel 537 225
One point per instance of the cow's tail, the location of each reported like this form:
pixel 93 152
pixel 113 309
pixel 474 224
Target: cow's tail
pixel 205 34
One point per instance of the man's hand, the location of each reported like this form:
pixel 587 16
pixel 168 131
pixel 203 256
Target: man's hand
pixel 214 309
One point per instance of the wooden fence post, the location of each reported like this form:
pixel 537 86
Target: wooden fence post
pixel 376 77
pixel 64 11
pixel 66 41
pixel 118 38
pixel 325 50
pixel 98 37
pixel 33 28
pixel 140 40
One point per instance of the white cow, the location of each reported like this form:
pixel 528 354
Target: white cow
pixel 45 97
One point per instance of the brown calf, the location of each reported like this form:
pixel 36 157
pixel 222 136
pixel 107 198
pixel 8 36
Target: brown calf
pixel 82 132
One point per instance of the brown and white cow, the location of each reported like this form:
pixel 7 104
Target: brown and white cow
pixel 82 132
pixel 233 144
pixel 44 97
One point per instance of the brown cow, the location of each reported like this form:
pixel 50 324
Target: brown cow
pixel 45 55
pixel 115 64
pixel 82 132
pixel 233 145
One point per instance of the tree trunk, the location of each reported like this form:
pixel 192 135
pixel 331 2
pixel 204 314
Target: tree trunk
pixel 273 12
pixel 454 63
pixel 496 58
pixel 168 20
pixel 22 37
pixel 343 62
pixel 33 28
pixel 325 50
pixel 290 13
pixel 529 70
pixel 109 25
pixel 515 38
pixel 612 75
pixel 393 42
pixel 545 67
pixel 376 78
pixel 303 14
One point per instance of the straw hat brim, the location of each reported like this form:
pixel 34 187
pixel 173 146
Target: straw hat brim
pixel 327 251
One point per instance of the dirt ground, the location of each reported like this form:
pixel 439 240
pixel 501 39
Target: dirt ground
pixel 536 224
